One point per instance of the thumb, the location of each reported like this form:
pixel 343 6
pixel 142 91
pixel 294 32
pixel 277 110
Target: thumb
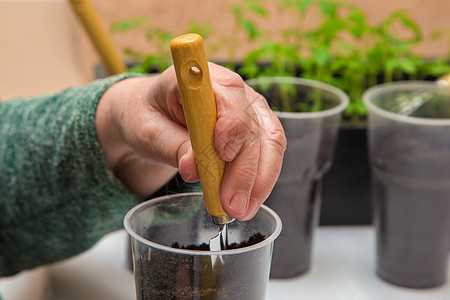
pixel 162 141
pixel 186 164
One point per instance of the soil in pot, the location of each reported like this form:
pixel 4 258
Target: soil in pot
pixel 163 275
pixel 254 239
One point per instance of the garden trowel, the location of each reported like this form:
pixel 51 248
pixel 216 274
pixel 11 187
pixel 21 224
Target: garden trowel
pixel 199 105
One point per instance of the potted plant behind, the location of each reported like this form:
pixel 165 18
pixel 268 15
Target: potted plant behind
pixel 343 50
pixel 159 58
pixel 310 112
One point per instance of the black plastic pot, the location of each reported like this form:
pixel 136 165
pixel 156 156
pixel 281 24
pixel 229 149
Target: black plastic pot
pixel 346 186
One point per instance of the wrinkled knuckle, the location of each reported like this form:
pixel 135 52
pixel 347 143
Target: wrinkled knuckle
pixel 182 149
pixel 277 139
pixel 150 132
pixel 251 120
pixel 239 125
pixel 265 185
pixel 232 79
pixel 246 175
pixel 233 129
pixel 141 136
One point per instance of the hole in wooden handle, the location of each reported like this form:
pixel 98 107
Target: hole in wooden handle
pixel 195 71
pixel 192 74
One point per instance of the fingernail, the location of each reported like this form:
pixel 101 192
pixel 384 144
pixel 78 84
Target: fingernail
pixel 239 203
pixel 253 207
pixel 185 168
pixel 184 157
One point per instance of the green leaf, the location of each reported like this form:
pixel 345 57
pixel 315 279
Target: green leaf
pixel 257 7
pixel 149 62
pixel 360 108
pixel 289 32
pixel 437 34
pixel 136 69
pixel 322 56
pixel 260 11
pixel 436 67
pixel 203 29
pixel 357 23
pixel 328 8
pixel 236 11
pixel 128 24
pixel 440 33
pixel 402 17
pixel 408 66
pixel 160 35
pixel 131 53
pixel 303 5
pixel 251 29
pixel 390 65
pixel 351 109
pixel 250 71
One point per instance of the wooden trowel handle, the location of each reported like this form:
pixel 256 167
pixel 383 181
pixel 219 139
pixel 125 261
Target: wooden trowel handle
pixel 199 105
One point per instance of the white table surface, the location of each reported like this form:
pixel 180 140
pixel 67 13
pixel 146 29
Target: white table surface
pixel 343 268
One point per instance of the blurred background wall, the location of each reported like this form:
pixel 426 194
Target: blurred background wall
pixel 45 49
pixel 42 48
pixel 174 15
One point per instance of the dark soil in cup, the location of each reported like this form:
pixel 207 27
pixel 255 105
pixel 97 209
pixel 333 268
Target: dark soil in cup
pixel 254 239
pixel 412 212
pixel 167 275
pixel 413 235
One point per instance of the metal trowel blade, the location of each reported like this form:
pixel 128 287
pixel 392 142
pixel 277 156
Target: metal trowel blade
pixel 220 241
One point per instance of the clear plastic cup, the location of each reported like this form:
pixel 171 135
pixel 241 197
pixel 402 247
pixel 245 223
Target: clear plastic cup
pixel 311 138
pixel 409 150
pixel 164 272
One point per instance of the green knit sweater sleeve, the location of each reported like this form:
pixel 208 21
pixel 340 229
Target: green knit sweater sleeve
pixel 58 196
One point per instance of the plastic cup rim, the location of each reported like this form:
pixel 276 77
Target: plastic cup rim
pixel 309 83
pixel 267 241
pixel 374 91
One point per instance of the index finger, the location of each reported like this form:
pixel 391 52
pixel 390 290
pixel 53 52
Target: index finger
pixel 273 144
pixel 237 141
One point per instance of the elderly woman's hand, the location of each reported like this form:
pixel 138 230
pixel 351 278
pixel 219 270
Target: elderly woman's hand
pixel 142 131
